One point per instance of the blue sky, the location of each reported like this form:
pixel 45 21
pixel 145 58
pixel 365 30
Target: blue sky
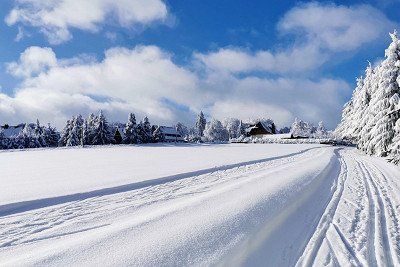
pixel 170 59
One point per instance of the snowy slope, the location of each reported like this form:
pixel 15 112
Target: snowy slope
pixel 319 206
pixel 37 174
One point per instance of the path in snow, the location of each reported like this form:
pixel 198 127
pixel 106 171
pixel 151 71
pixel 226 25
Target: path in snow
pixel 361 223
pixel 323 206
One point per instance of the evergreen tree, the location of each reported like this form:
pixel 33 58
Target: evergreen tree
pixel 158 135
pixel 241 130
pixel 182 130
pixel 27 137
pixel 321 131
pixel 200 124
pixel 232 126
pixel 144 131
pixel 51 136
pixel 131 134
pixel 75 134
pixel 39 131
pixel 215 132
pixel 381 105
pixel 101 131
pixel 117 136
pixel 65 133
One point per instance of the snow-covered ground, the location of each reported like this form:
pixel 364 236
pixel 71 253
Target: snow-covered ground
pixel 238 204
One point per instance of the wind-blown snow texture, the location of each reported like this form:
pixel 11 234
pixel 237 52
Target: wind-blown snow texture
pixel 274 205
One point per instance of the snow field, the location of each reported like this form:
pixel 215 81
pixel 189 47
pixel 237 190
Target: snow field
pixel 313 206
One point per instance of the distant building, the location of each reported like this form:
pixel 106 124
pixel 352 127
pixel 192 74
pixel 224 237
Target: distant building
pixel 170 134
pixel 260 128
pixel 12 131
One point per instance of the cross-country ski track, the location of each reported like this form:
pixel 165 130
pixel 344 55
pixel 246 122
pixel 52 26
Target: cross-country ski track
pixel 316 206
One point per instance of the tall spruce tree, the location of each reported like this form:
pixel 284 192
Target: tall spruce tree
pixel 101 131
pixel 130 131
pixel 200 124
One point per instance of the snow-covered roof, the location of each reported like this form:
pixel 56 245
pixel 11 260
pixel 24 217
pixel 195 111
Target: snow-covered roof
pixel 10 131
pixel 168 130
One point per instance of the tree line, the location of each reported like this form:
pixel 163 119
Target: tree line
pixel 371 119
pixel 96 130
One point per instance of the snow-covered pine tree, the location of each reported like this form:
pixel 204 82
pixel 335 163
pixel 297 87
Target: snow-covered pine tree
pixel 241 130
pixel 89 128
pixel 131 135
pixel 200 124
pixel 65 133
pixel 75 134
pixel 382 100
pixel 101 131
pixel 232 126
pixel 158 135
pixel 215 132
pixel 144 131
pixel 182 130
pixel 51 136
pixel 321 130
pixel 117 136
pixel 38 131
pixel 28 137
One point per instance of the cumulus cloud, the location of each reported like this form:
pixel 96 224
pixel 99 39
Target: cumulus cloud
pixel 139 79
pixel 145 80
pixel 336 28
pixel 32 61
pixel 55 18
pixel 320 31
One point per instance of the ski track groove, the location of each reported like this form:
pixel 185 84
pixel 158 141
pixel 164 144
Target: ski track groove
pixel 382 238
pixel 371 218
pixel 309 255
pixel 389 212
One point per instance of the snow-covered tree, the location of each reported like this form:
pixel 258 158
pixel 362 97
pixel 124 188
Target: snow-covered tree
pixel 75 133
pixel 201 124
pixel 182 130
pixel 320 131
pixel 51 136
pixel 117 136
pixel 241 130
pixel 232 126
pixel 131 135
pixel 215 132
pixel 381 105
pixel 158 135
pixel 28 138
pixel 144 131
pixel 5 143
pixel 301 129
pixel 101 131
pixel 38 131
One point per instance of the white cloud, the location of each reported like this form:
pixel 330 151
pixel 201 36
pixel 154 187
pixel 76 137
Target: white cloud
pixel 336 28
pixel 33 60
pixel 320 31
pixel 146 81
pixel 55 18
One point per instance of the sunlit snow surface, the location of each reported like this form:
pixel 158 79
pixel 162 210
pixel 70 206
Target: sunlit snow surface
pixel 236 204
